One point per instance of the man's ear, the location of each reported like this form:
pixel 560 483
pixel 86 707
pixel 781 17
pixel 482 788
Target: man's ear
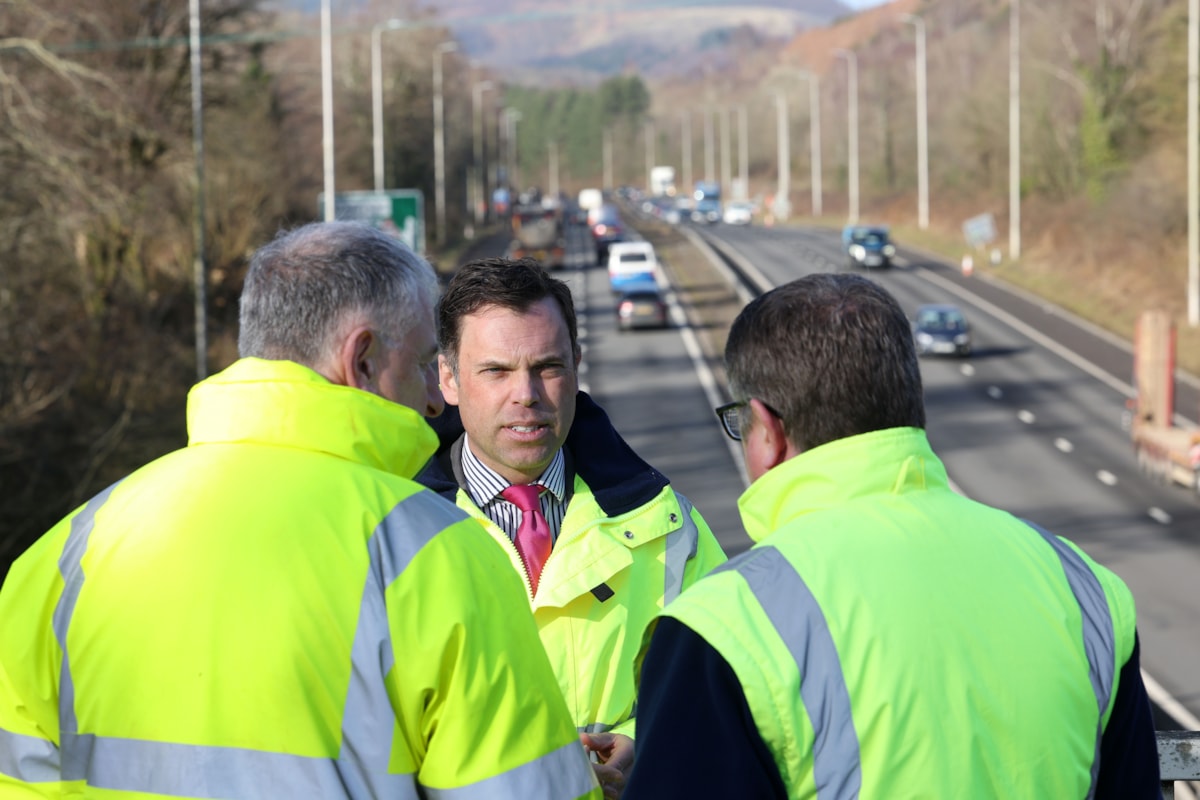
pixel 446 381
pixel 770 445
pixel 358 365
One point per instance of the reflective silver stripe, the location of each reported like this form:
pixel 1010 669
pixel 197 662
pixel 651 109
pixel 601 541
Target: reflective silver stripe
pixel 70 566
pixel 680 546
pixel 1099 638
pixel 563 773
pixel 218 772
pixel 28 758
pixel 368 723
pixel 596 727
pixel 800 623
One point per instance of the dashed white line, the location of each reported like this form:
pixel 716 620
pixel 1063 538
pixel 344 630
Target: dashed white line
pixel 967 369
pixel 1064 445
pixel 1159 516
pixel 1026 416
pixel 995 392
pixel 1106 477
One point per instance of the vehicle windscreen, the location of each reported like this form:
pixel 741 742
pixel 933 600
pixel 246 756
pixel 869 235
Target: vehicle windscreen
pixel 940 321
pixel 872 239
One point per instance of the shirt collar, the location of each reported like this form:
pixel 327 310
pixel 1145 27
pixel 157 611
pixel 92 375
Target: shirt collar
pixel 484 484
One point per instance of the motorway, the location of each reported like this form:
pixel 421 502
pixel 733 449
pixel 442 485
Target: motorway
pixel 1031 422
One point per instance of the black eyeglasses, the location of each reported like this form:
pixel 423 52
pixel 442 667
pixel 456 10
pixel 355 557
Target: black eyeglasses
pixel 731 417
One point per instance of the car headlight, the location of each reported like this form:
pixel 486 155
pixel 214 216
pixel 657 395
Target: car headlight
pixel 962 338
pixel 924 339
pixel 858 251
pixel 889 250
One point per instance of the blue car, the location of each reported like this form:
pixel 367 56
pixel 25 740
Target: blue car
pixel 868 246
pixel 941 329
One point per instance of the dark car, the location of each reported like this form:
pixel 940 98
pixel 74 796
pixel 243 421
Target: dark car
pixel 607 228
pixel 941 328
pixel 641 305
pixel 868 246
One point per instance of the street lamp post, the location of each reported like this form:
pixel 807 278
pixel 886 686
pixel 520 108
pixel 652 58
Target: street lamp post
pixel 1014 130
pixel 607 156
pixel 922 124
pixel 377 94
pixel 814 138
pixel 327 104
pixel 709 155
pixel 552 152
pixel 511 118
pixel 852 126
pixel 726 164
pixel 199 270
pixel 480 171
pixel 439 140
pixel 1193 163
pixel 743 152
pixel 685 117
pixel 648 135
pixel 782 202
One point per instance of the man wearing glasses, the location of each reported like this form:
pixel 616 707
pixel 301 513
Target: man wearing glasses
pixel 886 636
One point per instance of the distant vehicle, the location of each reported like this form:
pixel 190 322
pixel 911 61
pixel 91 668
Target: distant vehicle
pixel 631 263
pixel 941 329
pixel 538 233
pixel 739 213
pixel 1165 451
pixel 501 201
pixel 607 228
pixel 641 305
pixel 868 246
pixel 707 208
pixel 590 198
pixel 662 181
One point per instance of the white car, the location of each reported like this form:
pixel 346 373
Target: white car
pixel 739 214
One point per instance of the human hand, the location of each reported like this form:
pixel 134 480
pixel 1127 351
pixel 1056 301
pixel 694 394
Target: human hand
pixel 614 752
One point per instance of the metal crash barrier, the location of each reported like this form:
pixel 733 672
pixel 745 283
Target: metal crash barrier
pixel 1178 758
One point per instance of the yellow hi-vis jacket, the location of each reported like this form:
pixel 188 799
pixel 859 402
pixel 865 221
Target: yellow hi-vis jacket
pixel 628 545
pixel 278 611
pixel 896 639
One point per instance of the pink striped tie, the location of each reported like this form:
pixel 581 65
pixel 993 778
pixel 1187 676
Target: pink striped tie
pixel 533 535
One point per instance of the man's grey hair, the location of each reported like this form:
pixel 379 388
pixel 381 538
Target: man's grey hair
pixel 303 288
pixel 831 354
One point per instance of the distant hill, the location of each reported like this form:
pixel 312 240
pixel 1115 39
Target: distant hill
pixel 582 37
pixel 584 40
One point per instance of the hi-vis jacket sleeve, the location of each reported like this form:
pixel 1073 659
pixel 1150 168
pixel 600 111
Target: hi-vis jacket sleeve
pixel 493 724
pixel 705 556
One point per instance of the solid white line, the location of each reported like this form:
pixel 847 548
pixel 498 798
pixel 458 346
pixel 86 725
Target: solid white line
pixel 708 381
pixel 1169 704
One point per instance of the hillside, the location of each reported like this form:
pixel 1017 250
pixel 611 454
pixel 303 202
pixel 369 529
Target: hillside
pixel 584 41
pixel 1102 140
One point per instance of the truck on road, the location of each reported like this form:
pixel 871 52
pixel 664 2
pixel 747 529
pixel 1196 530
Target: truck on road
pixel 1164 450
pixel 662 181
pixel 707 208
pixel 538 233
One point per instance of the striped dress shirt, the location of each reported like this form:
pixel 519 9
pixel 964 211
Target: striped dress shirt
pixel 484 485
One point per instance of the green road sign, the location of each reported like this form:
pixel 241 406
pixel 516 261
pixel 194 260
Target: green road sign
pixel 398 211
